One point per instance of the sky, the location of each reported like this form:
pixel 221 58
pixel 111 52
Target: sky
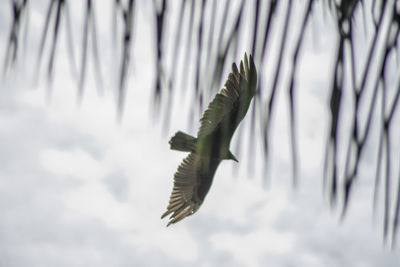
pixel 77 188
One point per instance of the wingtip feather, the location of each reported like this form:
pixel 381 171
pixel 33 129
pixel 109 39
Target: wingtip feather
pixel 165 214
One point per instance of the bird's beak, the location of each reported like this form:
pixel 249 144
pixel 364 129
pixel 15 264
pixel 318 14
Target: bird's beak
pixel 232 157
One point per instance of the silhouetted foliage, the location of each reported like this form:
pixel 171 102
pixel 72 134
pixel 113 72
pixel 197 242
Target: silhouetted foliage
pixel 215 34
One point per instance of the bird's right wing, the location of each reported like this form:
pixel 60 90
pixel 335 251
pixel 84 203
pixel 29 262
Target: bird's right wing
pixel 239 86
pixel 191 183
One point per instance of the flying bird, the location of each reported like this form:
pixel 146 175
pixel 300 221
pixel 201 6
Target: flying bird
pixel 195 174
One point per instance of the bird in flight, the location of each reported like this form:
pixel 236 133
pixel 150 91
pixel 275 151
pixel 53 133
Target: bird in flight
pixel 194 176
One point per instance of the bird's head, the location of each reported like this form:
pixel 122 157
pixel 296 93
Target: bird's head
pixel 231 156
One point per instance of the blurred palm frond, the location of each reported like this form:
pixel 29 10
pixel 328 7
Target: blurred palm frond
pixel 276 30
pixel 18 12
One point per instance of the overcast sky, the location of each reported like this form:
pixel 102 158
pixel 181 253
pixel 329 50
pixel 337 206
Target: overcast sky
pixel 79 189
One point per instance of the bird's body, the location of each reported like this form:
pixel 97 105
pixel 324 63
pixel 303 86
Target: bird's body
pixel 195 174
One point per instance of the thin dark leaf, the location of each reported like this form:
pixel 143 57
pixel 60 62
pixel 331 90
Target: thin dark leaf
pixel 70 44
pixel 125 59
pixel 96 58
pixel 84 49
pixel 19 9
pixel 44 35
pixel 271 100
pixel 292 113
pixel 255 26
pixel 335 103
pixel 178 34
pixel 59 8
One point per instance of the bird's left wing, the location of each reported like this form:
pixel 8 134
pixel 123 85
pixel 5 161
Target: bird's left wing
pixel 239 89
pixel 191 183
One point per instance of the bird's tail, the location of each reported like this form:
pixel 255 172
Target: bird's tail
pixel 183 142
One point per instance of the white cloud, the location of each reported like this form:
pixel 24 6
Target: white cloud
pixel 248 249
pixel 76 164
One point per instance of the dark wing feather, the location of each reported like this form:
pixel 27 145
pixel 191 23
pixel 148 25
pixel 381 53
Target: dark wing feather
pixel 191 183
pixel 237 94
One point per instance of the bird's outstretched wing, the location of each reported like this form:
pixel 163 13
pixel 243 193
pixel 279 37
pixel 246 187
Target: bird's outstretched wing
pixel 191 183
pixel 232 100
